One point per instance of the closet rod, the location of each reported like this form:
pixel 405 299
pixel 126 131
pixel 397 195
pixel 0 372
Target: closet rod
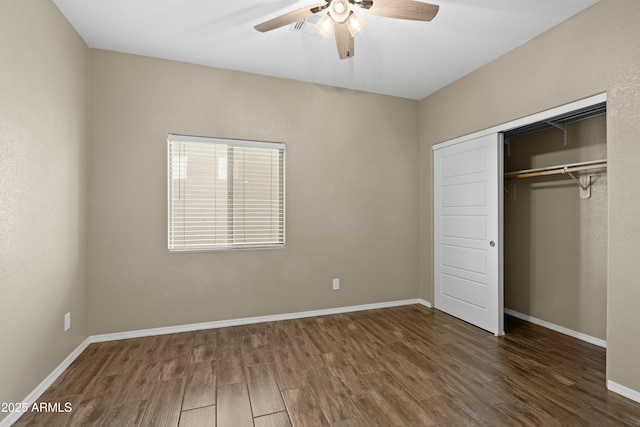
pixel 555 170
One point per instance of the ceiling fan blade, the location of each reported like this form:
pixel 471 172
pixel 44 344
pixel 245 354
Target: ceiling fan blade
pixel 403 9
pixel 290 18
pixel 344 40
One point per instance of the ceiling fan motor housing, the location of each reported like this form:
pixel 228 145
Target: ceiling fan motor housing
pixel 339 10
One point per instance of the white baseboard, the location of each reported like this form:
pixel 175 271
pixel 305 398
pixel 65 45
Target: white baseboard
pixel 579 335
pixel 623 391
pixel 424 302
pixel 44 385
pixel 249 320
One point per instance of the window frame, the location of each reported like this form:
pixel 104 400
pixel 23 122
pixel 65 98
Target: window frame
pixel 229 143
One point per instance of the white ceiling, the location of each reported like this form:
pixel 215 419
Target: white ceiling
pixel 410 59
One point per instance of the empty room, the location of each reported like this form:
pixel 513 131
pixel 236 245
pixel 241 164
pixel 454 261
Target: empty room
pixel 332 213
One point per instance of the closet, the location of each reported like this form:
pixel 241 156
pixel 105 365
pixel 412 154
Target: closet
pixel 555 222
pixel 520 222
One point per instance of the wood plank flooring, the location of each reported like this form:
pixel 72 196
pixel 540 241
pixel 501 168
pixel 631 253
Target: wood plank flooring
pixel 405 366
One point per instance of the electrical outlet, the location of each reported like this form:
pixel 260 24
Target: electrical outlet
pixel 67 321
pixel 336 284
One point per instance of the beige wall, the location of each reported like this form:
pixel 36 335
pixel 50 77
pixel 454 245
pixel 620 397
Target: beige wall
pixel 596 51
pixel 555 243
pixel 352 191
pixel 43 133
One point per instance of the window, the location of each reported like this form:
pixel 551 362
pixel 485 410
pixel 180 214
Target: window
pixel 225 193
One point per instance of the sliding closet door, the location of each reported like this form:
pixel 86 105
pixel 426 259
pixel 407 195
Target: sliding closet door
pixel 468 231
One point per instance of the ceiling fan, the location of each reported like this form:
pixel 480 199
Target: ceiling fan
pixel 346 23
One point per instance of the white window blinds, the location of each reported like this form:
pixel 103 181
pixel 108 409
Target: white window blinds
pixel 225 193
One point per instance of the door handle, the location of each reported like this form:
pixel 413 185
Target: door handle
pixel 492 243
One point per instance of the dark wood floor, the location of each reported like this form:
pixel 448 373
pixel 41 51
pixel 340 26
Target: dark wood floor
pixel 406 366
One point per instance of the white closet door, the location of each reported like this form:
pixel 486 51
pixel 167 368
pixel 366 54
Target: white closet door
pixel 468 231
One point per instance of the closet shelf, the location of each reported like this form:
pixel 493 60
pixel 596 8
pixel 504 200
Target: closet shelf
pixel 584 182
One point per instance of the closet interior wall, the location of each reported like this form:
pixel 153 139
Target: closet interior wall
pixel 555 243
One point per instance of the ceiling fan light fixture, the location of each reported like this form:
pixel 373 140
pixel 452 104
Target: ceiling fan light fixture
pixel 355 23
pixel 325 25
pixel 339 10
pixel 340 19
